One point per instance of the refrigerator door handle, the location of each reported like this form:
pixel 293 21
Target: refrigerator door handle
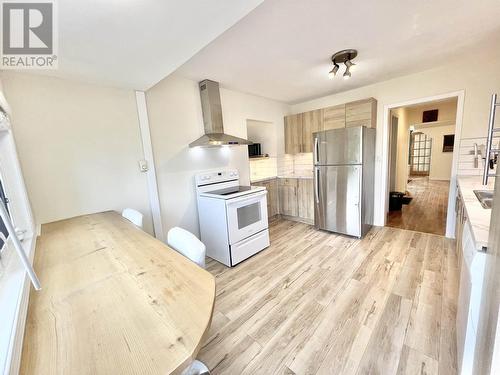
pixel 316 189
pixel 316 150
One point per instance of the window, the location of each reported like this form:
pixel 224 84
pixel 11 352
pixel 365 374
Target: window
pixel 448 142
pixel 420 154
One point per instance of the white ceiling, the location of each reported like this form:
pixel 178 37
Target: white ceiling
pixel 136 43
pixel 281 49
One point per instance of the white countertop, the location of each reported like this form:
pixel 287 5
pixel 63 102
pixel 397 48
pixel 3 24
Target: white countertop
pixel 291 175
pixel 479 217
pixel 261 178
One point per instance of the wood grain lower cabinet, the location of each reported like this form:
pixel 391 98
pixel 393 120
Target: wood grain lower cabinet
pixel 334 117
pixel 305 200
pixel 272 196
pixel 312 121
pixel 287 193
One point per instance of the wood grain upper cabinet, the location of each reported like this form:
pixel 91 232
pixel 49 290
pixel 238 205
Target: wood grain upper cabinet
pixel 361 113
pixel 312 121
pixel 293 134
pixel 305 200
pixel 287 193
pixel 334 117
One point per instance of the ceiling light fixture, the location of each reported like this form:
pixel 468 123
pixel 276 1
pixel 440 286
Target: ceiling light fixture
pixel 343 57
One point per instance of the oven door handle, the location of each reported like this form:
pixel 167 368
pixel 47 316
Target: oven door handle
pixel 248 197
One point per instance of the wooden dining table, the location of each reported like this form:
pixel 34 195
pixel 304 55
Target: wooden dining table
pixel 114 300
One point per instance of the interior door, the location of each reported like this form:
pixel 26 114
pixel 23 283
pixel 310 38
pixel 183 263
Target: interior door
pixel 487 357
pixel 337 198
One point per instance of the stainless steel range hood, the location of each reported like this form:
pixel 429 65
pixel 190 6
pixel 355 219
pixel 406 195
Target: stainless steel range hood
pixel 212 119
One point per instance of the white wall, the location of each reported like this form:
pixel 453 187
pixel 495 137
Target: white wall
pixel 78 145
pixel 478 84
pixel 447 111
pixel 175 118
pixel 265 134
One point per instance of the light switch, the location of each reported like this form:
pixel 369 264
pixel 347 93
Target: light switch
pixel 143 165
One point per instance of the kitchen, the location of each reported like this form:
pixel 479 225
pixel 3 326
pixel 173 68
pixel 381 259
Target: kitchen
pixel 84 142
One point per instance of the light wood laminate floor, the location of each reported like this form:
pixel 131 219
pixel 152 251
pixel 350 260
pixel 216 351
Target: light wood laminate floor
pixel 428 209
pixel 320 303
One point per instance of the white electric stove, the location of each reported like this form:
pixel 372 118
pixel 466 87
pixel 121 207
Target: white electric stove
pixel 233 218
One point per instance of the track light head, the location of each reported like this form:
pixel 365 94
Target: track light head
pixel 347 73
pixel 350 65
pixel 333 72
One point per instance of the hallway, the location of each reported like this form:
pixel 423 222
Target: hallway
pixel 427 210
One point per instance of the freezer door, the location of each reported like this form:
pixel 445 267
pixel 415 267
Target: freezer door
pixel 337 199
pixel 339 146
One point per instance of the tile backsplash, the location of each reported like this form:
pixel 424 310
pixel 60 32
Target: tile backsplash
pixel 263 168
pixel 303 164
pixel 466 156
pixel 298 165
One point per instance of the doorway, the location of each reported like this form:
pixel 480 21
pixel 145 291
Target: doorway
pixel 420 165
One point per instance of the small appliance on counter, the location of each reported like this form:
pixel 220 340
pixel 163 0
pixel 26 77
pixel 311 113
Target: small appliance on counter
pixel 254 150
pixel 233 218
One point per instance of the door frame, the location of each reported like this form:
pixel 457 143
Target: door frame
pixel 384 200
pixel 391 170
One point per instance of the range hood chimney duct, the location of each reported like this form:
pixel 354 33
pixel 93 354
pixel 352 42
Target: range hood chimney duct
pixel 212 119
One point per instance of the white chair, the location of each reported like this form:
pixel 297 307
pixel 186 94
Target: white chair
pixel 187 244
pixel 196 368
pixel 134 216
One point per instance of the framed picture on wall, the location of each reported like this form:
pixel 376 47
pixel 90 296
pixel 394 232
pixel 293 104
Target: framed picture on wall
pixel 448 142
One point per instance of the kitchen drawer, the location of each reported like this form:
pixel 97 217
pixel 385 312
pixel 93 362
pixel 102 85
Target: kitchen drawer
pixel 288 182
pixel 249 246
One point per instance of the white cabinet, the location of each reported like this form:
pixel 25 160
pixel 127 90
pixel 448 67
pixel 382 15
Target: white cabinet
pixel 469 299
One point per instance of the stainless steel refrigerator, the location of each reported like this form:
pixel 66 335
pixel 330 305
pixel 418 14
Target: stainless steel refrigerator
pixel 344 163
